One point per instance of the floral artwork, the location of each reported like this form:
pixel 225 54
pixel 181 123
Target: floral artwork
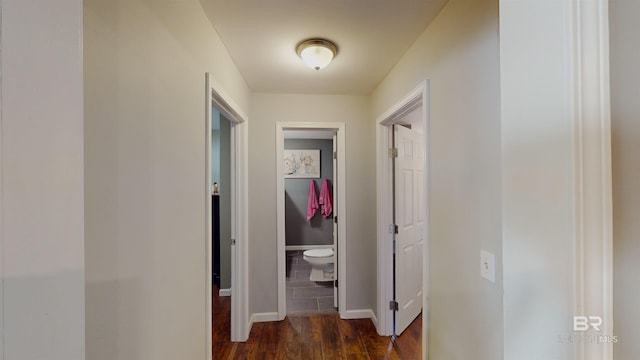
pixel 302 164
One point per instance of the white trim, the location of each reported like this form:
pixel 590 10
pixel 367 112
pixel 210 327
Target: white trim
pixel 264 317
pixel 358 314
pixel 384 218
pixel 224 103
pixel 306 247
pixel 240 270
pixel 339 209
pixel 240 326
pixel 208 234
pixel 224 292
pixel 416 97
pixel 590 111
pixel 407 104
pixel 375 321
pixel 2 260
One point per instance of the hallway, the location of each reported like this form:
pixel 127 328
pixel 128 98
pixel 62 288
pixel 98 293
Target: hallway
pixel 533 158
pixel 311 337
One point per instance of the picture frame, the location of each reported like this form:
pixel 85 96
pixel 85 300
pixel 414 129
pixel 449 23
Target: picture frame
pixel 302 163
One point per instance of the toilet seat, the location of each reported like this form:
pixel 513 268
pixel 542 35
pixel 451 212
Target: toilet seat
pixel 318 253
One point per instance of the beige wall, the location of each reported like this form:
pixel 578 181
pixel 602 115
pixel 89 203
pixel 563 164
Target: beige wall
pixel 542 191
pixel 145 64
pixel 459 54
pixel 266 110
pixel 625 142
pixel 41 176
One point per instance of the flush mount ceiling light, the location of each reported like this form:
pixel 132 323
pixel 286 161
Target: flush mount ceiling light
pixel 316 53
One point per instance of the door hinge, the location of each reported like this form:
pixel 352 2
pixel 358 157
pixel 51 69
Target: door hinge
pixel 393 229
pixel 393 305
pixel 233 241
pixel 335 155
pixel 335 283
pixel 393 153
pixel 335 219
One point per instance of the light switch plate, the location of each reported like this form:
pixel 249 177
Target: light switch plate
pixel 488 265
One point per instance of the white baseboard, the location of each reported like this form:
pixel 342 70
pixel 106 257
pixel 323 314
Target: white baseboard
pixel 359 314
pixel 306 247
pixel 263 317
pixel 379 330
pixel 374 319
pixel 224 292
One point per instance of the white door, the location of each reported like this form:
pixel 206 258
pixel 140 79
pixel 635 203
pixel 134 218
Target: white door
pixel 410 218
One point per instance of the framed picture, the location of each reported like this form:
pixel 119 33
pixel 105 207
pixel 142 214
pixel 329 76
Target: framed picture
pixel 302 164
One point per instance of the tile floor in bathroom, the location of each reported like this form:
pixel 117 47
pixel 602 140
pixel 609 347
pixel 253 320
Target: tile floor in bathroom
pixel 303 295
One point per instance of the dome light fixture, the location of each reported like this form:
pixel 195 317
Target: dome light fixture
pixel 316 53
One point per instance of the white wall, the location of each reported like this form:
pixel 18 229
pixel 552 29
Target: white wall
pixel 42 230
pixel 556 172
pixel 267 109
pixel 459 54
pixel 145 64
pixel 539 183
pixel 625 109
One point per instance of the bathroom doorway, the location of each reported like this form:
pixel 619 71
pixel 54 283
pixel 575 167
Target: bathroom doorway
pixel 311 225
pixel 310 228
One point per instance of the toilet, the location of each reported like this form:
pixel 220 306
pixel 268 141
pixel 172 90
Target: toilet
pixel 321 261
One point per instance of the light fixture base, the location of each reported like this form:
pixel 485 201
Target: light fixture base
pixel 316 53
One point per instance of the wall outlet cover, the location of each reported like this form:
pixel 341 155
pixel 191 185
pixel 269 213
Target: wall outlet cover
pixel 488 265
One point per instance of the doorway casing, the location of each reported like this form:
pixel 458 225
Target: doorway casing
pixel 218 98
pixel 419 96
pixel 340 206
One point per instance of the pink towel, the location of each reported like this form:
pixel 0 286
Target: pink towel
pixel 312 203
pixel 325 199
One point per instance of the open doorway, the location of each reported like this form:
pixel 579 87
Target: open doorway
pixel 237 189
pixel 221 203
pixel 403 216
pixel 310 229
pixel 408 218
pixel 324 232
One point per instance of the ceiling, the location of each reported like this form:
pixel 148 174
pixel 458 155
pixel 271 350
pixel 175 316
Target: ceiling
pixel 371 36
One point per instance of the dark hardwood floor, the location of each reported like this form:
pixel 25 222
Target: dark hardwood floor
pixel 317 336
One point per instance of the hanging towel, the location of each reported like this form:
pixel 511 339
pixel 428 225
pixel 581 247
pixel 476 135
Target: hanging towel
pixel 325 199
pixel 312 203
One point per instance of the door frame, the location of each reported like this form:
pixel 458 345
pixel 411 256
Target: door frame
pixel 218 98
pixel 339 203
pixel 419 96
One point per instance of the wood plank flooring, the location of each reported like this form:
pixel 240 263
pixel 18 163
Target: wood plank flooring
pixel 315 336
